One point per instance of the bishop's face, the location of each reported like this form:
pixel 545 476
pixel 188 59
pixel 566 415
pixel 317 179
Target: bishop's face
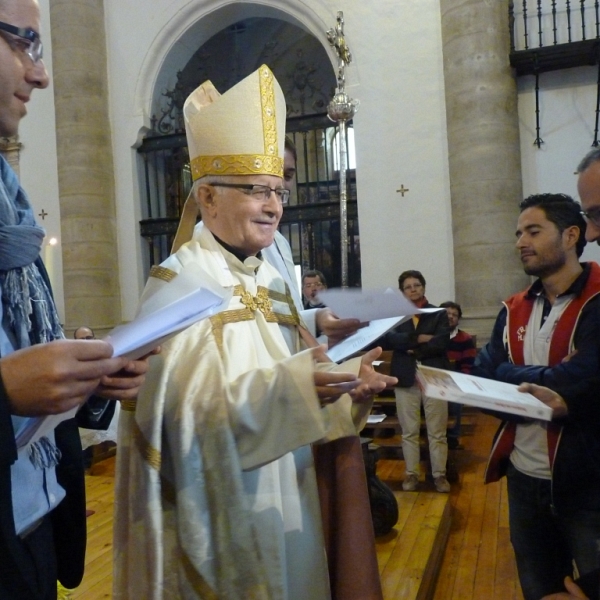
pixel 246 223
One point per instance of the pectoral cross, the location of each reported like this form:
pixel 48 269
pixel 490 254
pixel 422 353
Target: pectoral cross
pixel 403 190
pixel 43 214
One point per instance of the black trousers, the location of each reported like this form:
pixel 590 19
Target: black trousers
pixel 39 545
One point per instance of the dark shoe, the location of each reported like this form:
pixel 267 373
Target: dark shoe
pixel 441 484
pixel 410 483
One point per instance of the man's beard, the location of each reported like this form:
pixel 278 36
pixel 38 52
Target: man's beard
pixel 547 267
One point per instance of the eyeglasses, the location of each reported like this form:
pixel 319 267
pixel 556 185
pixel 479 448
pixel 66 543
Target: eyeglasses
pixel 260 192
pixel 415 286
pixel 592 215
pixel 310 286
pixel 29 41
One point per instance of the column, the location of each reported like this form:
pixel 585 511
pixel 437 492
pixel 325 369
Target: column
pixel 10 148
pixel 85 165
pixel 484 157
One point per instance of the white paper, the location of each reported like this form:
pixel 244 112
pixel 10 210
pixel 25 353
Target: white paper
pixel 148 331
pixel 373 419
pixel 478 391
pixel 368 305
pixel 363 337
pixel 38 427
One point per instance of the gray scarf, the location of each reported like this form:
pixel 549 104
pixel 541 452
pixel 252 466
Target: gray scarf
pixel 28 307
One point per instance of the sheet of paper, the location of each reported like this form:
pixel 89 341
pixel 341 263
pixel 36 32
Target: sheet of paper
pixel 363 337
pixel 368 305
pixel 478 391
pixel 38 427
pixel 373 419
pixel 172 309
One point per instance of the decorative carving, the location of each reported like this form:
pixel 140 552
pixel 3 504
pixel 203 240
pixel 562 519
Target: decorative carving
pixel 259 302
pixel 303 87
pixel 341 109
pixel 297 59
pixel 10 148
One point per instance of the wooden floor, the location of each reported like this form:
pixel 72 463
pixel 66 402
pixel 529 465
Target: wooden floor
pixel 477 563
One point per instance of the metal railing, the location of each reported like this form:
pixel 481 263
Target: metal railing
pixel 310 222
pixel 542 23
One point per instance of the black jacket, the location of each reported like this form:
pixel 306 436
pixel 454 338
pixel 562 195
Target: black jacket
pixel 17 578
pixel 403 338
pixel 576 472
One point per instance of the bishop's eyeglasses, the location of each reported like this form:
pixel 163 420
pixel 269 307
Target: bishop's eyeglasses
pixel 259 192
pixel 28 41
pixel 592 215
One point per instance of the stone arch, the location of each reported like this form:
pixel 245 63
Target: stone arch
pixel 194 24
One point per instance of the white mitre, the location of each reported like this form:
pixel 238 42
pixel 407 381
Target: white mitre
pixel 241 132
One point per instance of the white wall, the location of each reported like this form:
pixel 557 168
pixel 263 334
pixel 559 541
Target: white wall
pixel 400 128
pixel 400 136
pixel 38 165
pixel 567 116
pixel 401 139
pixel 397 75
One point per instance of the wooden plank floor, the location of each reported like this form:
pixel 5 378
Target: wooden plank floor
pixel 477 564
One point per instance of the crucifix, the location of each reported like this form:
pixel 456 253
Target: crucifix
pixel 403 190
pixel 43 214
pixel 341 109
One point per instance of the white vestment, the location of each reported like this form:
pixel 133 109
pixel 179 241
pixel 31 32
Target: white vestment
pixel 216 494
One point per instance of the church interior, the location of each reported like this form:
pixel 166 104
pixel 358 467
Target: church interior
pixel 463 109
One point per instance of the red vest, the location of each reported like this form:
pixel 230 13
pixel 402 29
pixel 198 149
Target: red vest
pixel 519 309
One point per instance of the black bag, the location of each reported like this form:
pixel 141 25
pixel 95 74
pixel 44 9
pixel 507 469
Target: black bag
pixel 96 413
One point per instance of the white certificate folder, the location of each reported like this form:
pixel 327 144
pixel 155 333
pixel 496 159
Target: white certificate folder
pixel 477 391
pixel 173 309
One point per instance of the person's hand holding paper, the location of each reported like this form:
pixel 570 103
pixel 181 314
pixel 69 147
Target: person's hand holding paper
pixel 383 309
pixel 171 310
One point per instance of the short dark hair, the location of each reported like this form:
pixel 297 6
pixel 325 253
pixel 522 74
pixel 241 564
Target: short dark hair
pixel 589 159
pixel 314 273
pixel 289 145
pixel 454 305
pixel 408 274
pixel 561 210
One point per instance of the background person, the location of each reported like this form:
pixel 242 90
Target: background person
pixel 549 335
pixel 313 282
pixel 461 354
pixel 423 338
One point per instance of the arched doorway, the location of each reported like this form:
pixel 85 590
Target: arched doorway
pixel 304 70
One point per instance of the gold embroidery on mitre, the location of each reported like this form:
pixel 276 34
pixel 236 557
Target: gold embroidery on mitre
pixel 237 164
pixel 162 273
pixel 149 454
pixel 267 98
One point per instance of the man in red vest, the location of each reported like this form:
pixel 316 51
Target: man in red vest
pixel 549 335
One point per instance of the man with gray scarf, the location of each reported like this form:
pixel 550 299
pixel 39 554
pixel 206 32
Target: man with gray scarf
pixel 42 492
